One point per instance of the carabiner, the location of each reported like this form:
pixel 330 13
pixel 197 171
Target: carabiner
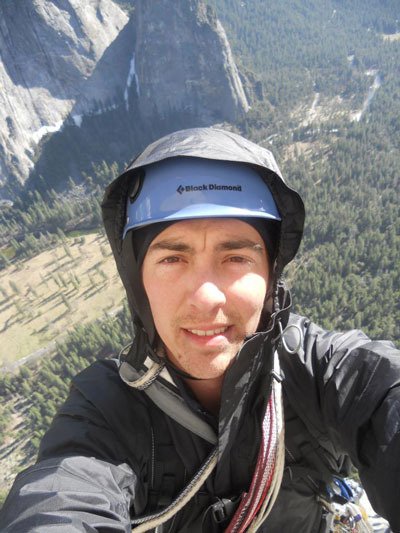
pixel 284 343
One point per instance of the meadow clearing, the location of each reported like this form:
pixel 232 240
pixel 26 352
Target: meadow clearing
pixel 45 296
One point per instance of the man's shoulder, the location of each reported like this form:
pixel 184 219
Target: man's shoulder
pixel 323 339
pixel 101 417
pixel 336 379
pixel 101 385
pixel 101 370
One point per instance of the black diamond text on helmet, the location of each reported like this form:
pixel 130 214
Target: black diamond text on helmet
pixel 210 187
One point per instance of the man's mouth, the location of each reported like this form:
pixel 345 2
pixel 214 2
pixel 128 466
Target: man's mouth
pixel 208 332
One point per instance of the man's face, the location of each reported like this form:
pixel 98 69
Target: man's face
pixel 206 282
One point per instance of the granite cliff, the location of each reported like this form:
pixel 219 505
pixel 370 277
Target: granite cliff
pixel 81 81
pixel 184 61
pixel 50 53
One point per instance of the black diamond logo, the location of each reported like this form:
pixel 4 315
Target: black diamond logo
pixel 180 189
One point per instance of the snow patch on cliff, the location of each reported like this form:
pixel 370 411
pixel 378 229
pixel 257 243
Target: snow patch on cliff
pixel 77 120
pixel 44 130
pixel 132 75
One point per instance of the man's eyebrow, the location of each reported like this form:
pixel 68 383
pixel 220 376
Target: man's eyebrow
pixel 239 244
pixel 173 246
pixel 224 246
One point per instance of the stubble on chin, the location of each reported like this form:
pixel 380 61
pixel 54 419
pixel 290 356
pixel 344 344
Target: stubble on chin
pixel 199 361
pixel 206 363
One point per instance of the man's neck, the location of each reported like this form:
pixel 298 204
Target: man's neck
pixel 207 392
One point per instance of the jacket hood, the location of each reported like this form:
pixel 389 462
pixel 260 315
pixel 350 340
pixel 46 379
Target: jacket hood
pixel 207 143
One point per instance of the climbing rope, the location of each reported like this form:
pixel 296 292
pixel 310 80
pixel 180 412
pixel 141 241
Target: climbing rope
pixel 258 502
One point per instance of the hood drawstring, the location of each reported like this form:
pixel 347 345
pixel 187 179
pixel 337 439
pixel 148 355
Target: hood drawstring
pixel 144 379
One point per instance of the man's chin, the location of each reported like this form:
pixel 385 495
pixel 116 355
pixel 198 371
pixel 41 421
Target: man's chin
pixel 206 362
pixel 214 370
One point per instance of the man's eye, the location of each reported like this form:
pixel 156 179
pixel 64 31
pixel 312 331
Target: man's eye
pixel 238 259
pixel 171 259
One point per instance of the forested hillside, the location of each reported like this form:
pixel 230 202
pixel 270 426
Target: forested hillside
pixel 329 76
pixel 317 61
pixel 296 46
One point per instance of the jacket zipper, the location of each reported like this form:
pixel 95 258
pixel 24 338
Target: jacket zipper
pixel 153 459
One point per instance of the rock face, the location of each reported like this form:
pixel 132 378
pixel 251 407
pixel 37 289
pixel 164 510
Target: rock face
pixel 184 61
pixel 49 54
pixel 63 61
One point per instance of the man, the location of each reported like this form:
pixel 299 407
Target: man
pixel 186 432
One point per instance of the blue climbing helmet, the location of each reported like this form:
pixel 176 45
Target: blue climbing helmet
pixel 182 188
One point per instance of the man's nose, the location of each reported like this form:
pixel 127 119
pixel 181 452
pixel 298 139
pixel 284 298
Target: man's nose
pixel 206 296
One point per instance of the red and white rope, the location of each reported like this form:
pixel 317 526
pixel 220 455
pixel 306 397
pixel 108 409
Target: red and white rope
pixel 258 502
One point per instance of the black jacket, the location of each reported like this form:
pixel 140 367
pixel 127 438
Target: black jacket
pixel 111 452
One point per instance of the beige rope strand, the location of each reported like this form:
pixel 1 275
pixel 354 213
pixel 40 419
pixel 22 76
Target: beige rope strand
pixel 275 486
pixel 181 501
pixel 142 381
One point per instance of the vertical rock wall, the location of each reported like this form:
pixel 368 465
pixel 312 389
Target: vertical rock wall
pixel 49 51
pixel 184 62
pixel 65 62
